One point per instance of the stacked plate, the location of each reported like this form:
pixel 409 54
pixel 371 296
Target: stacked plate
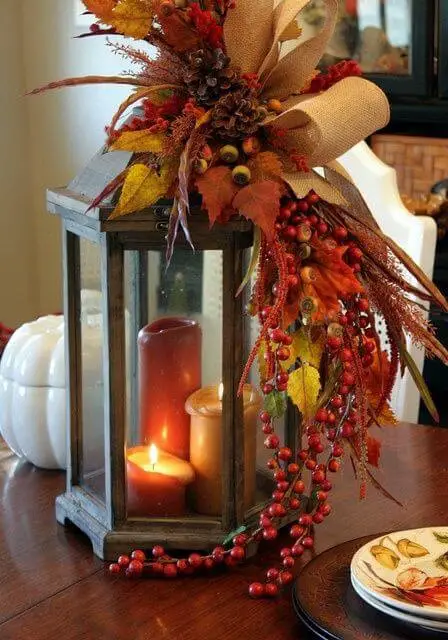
pixel 405 575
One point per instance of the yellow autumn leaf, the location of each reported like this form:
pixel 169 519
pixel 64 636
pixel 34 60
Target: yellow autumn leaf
pixel 140 142
pixel 102 9
pixel 308 348
pixel 133 18
pixel 143 187
pixel 304 388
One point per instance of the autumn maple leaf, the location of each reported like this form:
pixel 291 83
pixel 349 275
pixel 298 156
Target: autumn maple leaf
pixel 102 9
pixel 373 451
pixel 265 166
pixel 260 202
pixel 133 18
pixel 218 190
pixel 333 278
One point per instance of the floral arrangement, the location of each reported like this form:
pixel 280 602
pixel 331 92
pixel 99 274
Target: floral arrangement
pixel 227 113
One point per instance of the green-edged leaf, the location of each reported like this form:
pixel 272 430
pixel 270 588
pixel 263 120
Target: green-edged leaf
pixel 275 404
pixel 253 261
pixel 440 537
pixel 231 535
pixel 419 381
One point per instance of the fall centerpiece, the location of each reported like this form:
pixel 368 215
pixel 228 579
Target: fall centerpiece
pixel 232 113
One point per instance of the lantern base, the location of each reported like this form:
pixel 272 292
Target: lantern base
pixel 108 543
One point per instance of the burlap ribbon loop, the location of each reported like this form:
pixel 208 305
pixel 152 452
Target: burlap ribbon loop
pixel 284 14
pixel 248 33
pixel 327 125
pixel 320 127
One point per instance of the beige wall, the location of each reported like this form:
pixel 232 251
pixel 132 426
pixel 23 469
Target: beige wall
pixel 17 252
pixel 48 139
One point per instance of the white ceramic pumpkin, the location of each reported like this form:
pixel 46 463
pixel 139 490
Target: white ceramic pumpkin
pixel 33 388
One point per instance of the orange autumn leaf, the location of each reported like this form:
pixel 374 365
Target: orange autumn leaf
pixel 218 190
pixel 373 451
pixel 332 280
pixel 375 376
pixel 265 165
pixel 133 18
pixel 378 372
pixel 260 202
pixel 335 278
pixel 102 9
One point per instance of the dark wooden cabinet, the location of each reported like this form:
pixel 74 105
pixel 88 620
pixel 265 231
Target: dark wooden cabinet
pixel 417 79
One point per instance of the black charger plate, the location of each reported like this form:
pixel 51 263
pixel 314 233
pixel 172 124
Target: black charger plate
pixel 328 606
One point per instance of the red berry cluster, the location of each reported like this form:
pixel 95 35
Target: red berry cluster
pixel 155 117
pixel 334 74
pixel 206 26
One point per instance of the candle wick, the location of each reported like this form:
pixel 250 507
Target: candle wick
pixel 154 466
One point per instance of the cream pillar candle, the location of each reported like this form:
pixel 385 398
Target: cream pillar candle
pixel 205 409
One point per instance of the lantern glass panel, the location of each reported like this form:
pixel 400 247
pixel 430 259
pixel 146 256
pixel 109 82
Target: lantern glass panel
pixel 92 380
pixel 174 348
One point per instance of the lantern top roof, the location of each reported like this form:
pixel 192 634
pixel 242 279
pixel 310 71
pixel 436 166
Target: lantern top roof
pixel 74 202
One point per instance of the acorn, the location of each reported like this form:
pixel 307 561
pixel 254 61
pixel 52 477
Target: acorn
pixel 241 175
pixel 335 330
pixel 251 146
pixel 201 166
pixel 308 306
pixel 304 251
pixel 275 105
pixel 308 275
pixel 229 154
pixel 304 233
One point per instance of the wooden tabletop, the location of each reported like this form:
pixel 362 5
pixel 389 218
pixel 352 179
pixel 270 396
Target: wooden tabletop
pixel 52 587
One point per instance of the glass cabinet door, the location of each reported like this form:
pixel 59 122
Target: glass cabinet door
pixel 392 40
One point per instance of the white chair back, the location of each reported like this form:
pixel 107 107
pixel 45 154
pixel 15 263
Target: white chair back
pixel 416 235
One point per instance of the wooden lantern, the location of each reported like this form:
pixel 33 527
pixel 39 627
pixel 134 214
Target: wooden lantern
pixel 116 286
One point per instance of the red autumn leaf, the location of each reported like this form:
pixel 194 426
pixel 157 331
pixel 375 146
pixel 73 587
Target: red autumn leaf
pixel 218 190
pixel 260 202
pixel 178 33
pixel 373 451
pixel 335 278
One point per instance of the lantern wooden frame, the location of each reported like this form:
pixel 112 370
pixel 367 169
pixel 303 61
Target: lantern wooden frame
pixel 107 526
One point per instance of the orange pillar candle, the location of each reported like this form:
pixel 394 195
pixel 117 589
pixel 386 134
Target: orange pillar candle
pixel 156 483
pixel 205 409
pixel 169 356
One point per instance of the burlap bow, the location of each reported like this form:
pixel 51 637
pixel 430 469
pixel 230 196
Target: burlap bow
pixel 322 126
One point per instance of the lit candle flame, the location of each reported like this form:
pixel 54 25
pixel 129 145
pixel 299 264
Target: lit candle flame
pixel 153 455
pixel 220 391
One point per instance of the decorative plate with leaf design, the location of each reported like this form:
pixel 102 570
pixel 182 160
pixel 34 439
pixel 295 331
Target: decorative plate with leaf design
pixel 407 570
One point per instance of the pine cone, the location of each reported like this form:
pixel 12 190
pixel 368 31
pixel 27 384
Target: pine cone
pixel 237 114
pixel 210 76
